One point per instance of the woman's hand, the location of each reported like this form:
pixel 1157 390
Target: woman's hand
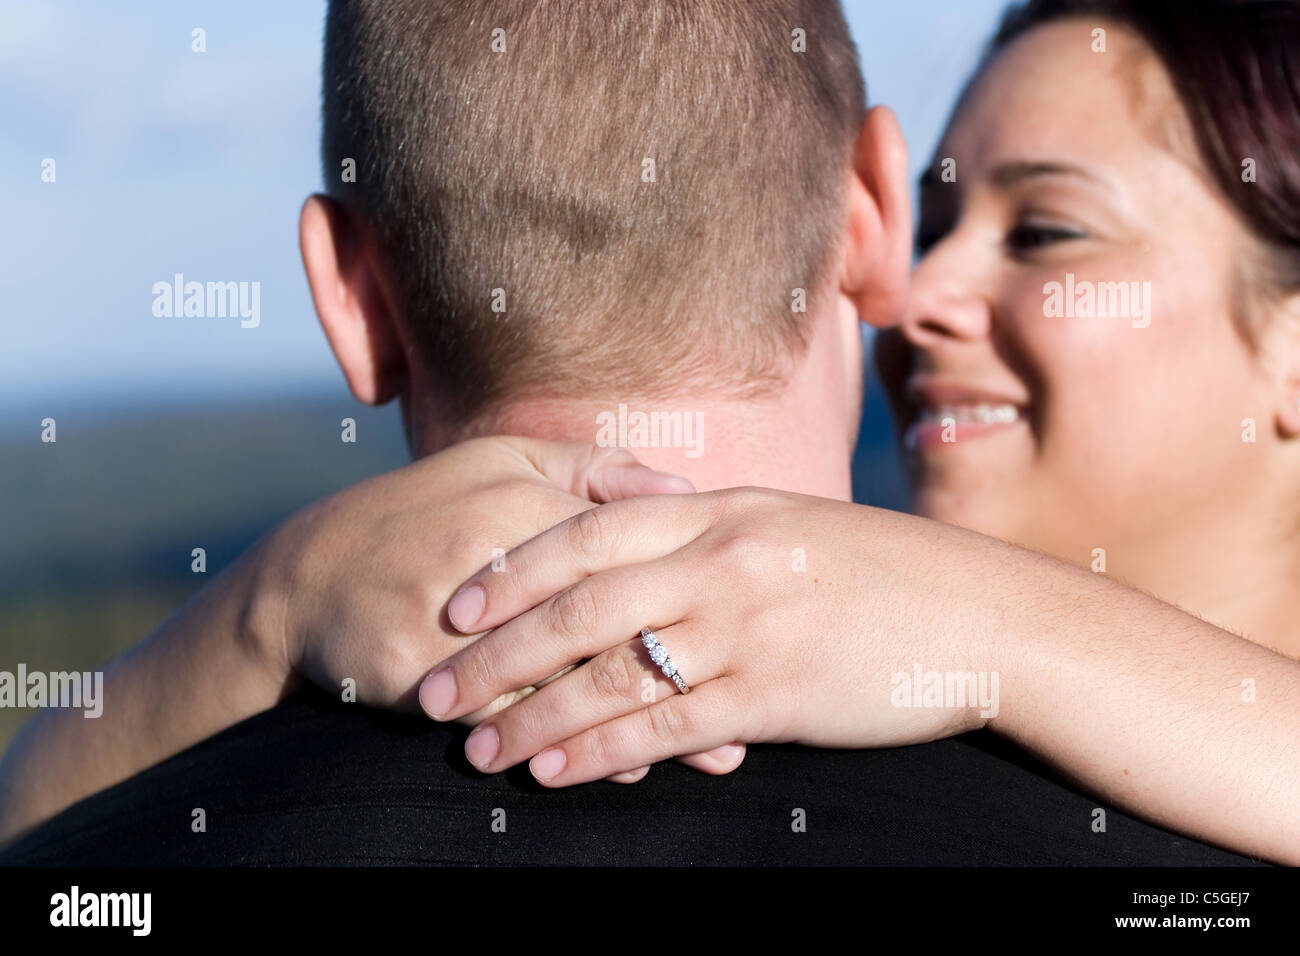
pixel 356 584
pixel 777 609
pixel 353 586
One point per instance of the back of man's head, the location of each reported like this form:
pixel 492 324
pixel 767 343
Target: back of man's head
pixel 642 185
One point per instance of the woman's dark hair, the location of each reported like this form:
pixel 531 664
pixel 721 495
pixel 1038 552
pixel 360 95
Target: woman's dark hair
pixel 1235 65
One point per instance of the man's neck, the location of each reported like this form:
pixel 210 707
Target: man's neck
pixel 715 443
pixel 798 438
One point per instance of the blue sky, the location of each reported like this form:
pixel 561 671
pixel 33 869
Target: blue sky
pixel 170 161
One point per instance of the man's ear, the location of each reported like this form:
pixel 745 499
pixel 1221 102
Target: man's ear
pixel 350 301
pixel 877 249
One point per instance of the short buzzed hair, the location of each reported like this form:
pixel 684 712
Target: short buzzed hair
pixel 647 183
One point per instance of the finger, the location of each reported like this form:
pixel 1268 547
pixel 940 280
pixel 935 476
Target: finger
pixel 631 776
pixel 615 682
pixel 612 481
pixel 477 717
pixel 599 473
pixel 597 613
pixel 702 720
pixel 718 761
pixel 609 536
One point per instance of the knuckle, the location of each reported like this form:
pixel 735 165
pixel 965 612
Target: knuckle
pixel 746 499
pixel 611 674
pixel 387 668
pixel 464 543
pixel 665 724
pixel 476 673
pixel 596 747
pixel 545 508
pixel 744 556
pixel 575 612
pixel 525 488
pixel 543 505
pixel 592 533
pixel 393 659
pixel 428 603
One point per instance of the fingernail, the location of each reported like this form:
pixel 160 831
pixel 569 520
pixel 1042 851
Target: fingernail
pixel 438 693
pixel 727 753
pixel 482 746
pixel 466 607
pixel 676 484
pixel 547 764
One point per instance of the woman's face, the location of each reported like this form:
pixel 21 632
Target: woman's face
pixel 1071 314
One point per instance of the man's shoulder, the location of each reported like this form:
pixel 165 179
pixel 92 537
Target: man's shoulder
pixel 315 781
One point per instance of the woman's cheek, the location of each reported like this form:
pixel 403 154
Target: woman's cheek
pixel 1087 382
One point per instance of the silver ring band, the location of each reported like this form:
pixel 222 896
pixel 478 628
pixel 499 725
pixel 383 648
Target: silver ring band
pixel 659 654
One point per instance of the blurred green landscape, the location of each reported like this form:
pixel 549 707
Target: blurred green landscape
pixel 96 529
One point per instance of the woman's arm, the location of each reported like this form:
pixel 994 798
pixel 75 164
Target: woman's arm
pixel 350 588
pixel 797 618
pixel 1153 709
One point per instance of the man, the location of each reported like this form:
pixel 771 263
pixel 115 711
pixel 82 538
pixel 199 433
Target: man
pixel 538 215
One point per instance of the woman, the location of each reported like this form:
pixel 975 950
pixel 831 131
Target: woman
pixel 821 653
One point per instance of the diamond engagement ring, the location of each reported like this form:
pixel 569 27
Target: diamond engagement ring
pixel 659 655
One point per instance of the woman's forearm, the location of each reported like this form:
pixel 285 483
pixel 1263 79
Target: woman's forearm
pixel 207 667
pixel 1163 714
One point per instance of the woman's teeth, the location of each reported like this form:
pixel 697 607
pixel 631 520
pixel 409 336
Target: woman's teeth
pixel 984 414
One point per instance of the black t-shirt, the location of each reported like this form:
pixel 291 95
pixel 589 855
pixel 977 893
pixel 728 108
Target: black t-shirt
pixel 317 782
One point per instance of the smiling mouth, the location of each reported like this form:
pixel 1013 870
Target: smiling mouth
pixel 939 427
pixel 985 413
pixel 942 413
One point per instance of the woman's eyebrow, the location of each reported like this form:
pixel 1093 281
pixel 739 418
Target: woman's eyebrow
pixel 1007 175
pixel 1013 173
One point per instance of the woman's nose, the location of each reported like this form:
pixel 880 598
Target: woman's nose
pixel 942 308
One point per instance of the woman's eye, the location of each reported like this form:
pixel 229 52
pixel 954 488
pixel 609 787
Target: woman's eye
pixel 1032 237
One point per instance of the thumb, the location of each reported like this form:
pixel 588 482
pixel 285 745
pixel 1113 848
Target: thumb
pixel 600 474
pixel 612 480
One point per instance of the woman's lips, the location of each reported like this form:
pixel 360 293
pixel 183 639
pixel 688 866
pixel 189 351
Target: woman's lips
pixel 944 414
pixel 946 425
